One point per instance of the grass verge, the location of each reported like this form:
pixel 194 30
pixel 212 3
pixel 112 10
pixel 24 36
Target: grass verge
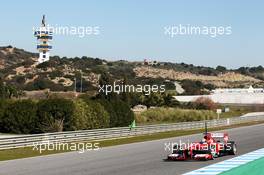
pixel 29 152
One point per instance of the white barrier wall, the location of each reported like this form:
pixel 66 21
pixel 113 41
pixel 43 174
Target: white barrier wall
pixel 236 98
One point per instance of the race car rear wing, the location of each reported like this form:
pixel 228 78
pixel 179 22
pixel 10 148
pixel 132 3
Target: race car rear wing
pixel 218 135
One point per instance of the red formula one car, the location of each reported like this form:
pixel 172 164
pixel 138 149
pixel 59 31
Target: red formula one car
pixel 212 145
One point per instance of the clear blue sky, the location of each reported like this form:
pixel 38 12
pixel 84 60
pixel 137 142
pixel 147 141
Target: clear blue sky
pixel 134 29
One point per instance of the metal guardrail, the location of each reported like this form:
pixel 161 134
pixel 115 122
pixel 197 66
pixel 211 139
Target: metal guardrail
pixel 110 133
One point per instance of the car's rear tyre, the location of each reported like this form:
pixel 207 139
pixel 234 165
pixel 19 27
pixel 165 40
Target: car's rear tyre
pixel 233 149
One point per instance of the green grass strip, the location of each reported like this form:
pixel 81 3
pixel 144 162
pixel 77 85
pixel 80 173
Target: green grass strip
pixel 251 168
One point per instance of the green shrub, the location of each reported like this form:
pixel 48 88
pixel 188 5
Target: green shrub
pixel 124 115
pixel 44 65
pixel 3 106
pixel 119 111
pixel 204 103
pixel 101 118
pixel 81 116
pixel 19 117
pixel 159 115
pixel 89 115
pixel 54 115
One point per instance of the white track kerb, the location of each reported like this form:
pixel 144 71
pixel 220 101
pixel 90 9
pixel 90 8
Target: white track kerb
pixel 228 164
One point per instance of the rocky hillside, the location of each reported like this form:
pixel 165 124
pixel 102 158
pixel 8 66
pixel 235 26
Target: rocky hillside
pixel 19 68
pixel 225 79
pixel 10 57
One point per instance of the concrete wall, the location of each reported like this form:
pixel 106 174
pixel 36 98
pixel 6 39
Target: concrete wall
pixel 235 98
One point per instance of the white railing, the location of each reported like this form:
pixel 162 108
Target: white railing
pixel 110 133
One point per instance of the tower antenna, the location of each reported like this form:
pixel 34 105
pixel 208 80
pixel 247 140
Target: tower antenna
pixel 43 23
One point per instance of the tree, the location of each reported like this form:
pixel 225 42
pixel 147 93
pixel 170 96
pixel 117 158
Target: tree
pixel 89 115
pixel 101 118
pixel 192 87
pixel 82 116
pixel 136 98
pixel 169 101
pixel 8 91
pixel 204 103
pixel 104 81
pixel 20 117
pixel 13 92
pixel 124 115
pixel 125 96
pixel 119 111
pixel 243 70
pixel 154 99
pixel 54 115
pixel 108 106
pixel 3 93
pixel 40 84
pixel 118 106
pixel 221 68
pixel 3 106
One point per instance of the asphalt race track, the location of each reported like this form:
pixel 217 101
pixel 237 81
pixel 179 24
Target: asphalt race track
pixel 139 158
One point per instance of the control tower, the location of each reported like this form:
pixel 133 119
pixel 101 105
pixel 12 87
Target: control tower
pixel 44 36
